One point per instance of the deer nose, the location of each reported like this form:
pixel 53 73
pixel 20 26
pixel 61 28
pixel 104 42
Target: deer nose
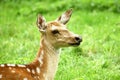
pixel 78 39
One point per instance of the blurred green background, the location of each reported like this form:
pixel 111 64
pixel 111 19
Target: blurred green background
pixel 97 21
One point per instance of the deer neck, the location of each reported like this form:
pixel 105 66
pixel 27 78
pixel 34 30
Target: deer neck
pixel 47 60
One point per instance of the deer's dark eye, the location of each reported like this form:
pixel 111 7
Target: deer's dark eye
pixel 55 31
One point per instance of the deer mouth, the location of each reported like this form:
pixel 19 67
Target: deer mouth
pixel 74 44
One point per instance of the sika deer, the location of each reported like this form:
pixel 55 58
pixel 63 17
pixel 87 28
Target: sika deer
pixel 54 35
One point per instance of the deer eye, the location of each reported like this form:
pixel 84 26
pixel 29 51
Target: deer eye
pixel 55 31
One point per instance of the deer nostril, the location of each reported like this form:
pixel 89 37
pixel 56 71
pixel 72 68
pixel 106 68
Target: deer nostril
pixel 79 39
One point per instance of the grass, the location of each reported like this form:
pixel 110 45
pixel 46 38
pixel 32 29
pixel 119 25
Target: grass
pixel 97 58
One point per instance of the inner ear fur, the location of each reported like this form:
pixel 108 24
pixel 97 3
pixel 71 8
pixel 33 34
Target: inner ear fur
pixel 65 17
pixel 41 22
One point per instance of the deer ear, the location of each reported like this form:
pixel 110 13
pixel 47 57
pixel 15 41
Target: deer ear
pixel 64 18
pixel 41 23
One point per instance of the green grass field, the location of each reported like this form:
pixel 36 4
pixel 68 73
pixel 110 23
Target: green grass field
pixel 97 58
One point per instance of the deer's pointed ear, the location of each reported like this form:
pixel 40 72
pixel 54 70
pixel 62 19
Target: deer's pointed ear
pixel 64 18
pixel 41 23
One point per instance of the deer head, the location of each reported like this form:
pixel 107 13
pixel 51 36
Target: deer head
pixel 56 32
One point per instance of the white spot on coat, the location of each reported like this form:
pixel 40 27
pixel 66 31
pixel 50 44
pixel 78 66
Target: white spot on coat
pixel 11 65
pixel 2 65
pixel 38 70
pixel 25 78
pixel 28 69
pixel 0 76
pixel 21 65
pixel 10 68
pixel 13 71
pixel 33 71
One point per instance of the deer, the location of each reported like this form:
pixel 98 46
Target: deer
pixel 54 36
